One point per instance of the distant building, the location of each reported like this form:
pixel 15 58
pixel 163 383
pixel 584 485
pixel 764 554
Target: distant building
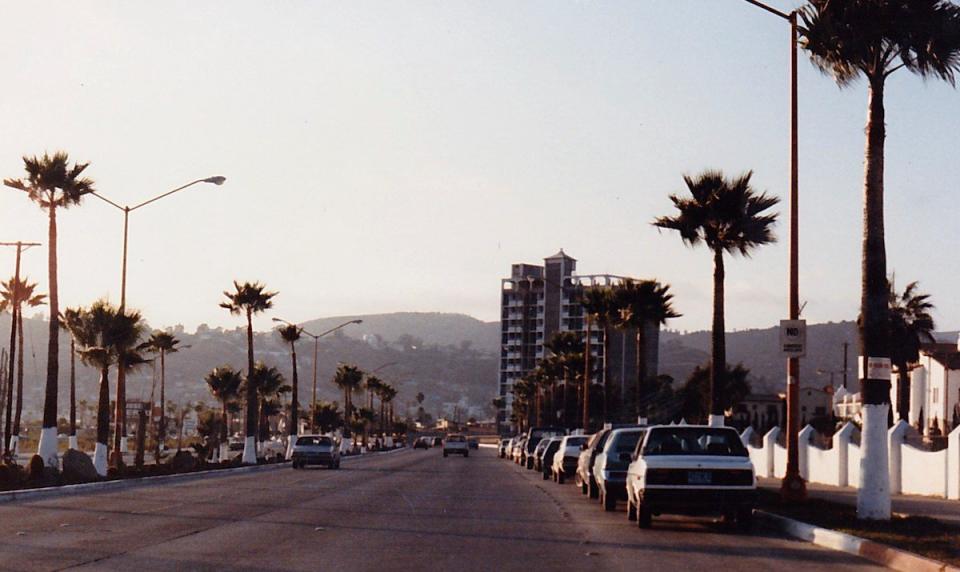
pixel 536 302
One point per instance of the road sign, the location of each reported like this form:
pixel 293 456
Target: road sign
pixel 793 338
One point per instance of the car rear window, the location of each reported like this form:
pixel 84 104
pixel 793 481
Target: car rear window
pixel 314 441
pixel 456 438
pixel 626 441
pixel 694 441
pixel 576 441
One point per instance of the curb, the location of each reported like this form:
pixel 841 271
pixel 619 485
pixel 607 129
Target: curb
pixel 875 552
pixel 121 484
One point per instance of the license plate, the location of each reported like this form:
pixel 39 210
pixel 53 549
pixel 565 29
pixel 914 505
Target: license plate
pixel 699 477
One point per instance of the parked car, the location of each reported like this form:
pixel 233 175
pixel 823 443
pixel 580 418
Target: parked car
pixel 456 444
pixel 610 466
pixel 503 447
pixel 473 443
pixel 692 470
pixel 315 450
pixel 537 454
pixel 534 435
pixel 422 443
pixel 564 461
pixel 588 454
pixel 518 450
pixel 437 442
pixel 549 450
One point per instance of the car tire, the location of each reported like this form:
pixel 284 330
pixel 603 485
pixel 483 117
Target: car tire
pixel 584 488
pixel 644 516
pixel 631 510
pixel 444 453
pixel 546 475
pixel 593 491
pixel 466 454
pixel 744 520
pixel 609 502
pixel 294 465
pixel 560 478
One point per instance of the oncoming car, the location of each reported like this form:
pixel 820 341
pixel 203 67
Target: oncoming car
pixel 315 450
pixel 456 444
pixel 692 470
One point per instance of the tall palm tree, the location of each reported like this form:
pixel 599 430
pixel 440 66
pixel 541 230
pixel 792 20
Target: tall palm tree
pixel 873 39
pixel 387 394
pixel 52 183
pixel 910 325
pixel 372 385
pixel 728 217
pixel 290 333
pixel 18 293
pixel 643 303
pixel 161 344
pixel 249 299
pixel 348 378
pixel 567 349
pixel 224 383
pixel 598 305
pixel 70 320
pixel 104 334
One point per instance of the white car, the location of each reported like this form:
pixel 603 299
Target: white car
pixel 692 470
pixel 564 462
pixel 456 444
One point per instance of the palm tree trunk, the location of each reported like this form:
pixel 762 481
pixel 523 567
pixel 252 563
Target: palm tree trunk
pixel 903 392
pixel 162 426
pixel 641 370
pixel 73 392
pixel 718 340
pixel 294 401
pixel 224 432
pixel 873 495
pixel 8 426
pixel 19 410
pixel 47 448
pixel 585 422
pixel 103 423
pixel 250 432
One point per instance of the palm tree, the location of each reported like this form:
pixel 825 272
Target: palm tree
pixel 104 333
pixel 328 416
pixel 249 299
pixel 70 320
pixel 387 394
pixel 290 334
pixel 567 349
pixel 160 343
pixel 910 325
pixel 348 378
pixel 52 183
pixel 873 39
pixel 224 383
pixel 268 385
pixel 727 216
pixel 643 303
pixel 598 304
pixel 18 293
pixel 372 384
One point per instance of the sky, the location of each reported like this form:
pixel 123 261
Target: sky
pixel 400 155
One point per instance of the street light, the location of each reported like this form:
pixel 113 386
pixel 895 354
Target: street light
pixel 792 487
pixel 121 414
pixel 316 347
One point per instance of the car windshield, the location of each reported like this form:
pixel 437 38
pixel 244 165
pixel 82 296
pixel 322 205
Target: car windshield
pixel 694 441
pixel 307 441
pixel 626 441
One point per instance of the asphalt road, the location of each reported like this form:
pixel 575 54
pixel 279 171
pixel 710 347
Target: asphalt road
pixel 408 510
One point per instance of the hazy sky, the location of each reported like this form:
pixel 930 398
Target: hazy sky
pixel 400 155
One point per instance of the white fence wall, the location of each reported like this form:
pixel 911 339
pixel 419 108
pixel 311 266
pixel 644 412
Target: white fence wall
pixel 912 470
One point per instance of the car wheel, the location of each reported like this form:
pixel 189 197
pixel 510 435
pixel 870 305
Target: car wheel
pixel 609 502
pixel 294 465
pixel 592 490
pixel 584 488
pixel 644 516
pixel 560 478
pixel 745 520
pixel 631 510
pixel 466 454
pixel 444 453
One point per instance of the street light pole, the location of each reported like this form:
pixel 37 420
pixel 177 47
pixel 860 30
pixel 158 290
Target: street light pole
pixel 120 427
pixel 793 487
pixel 316 347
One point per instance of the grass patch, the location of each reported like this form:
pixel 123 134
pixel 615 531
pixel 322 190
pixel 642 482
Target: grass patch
pixel 920 535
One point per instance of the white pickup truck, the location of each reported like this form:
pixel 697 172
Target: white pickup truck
pixel 456 444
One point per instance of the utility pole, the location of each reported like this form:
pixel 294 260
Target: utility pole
pixel 846 345
pixel 15 313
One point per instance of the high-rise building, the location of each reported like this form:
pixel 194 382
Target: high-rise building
pixel 536 302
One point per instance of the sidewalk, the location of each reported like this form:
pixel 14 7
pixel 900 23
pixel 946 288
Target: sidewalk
pixel 932 507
